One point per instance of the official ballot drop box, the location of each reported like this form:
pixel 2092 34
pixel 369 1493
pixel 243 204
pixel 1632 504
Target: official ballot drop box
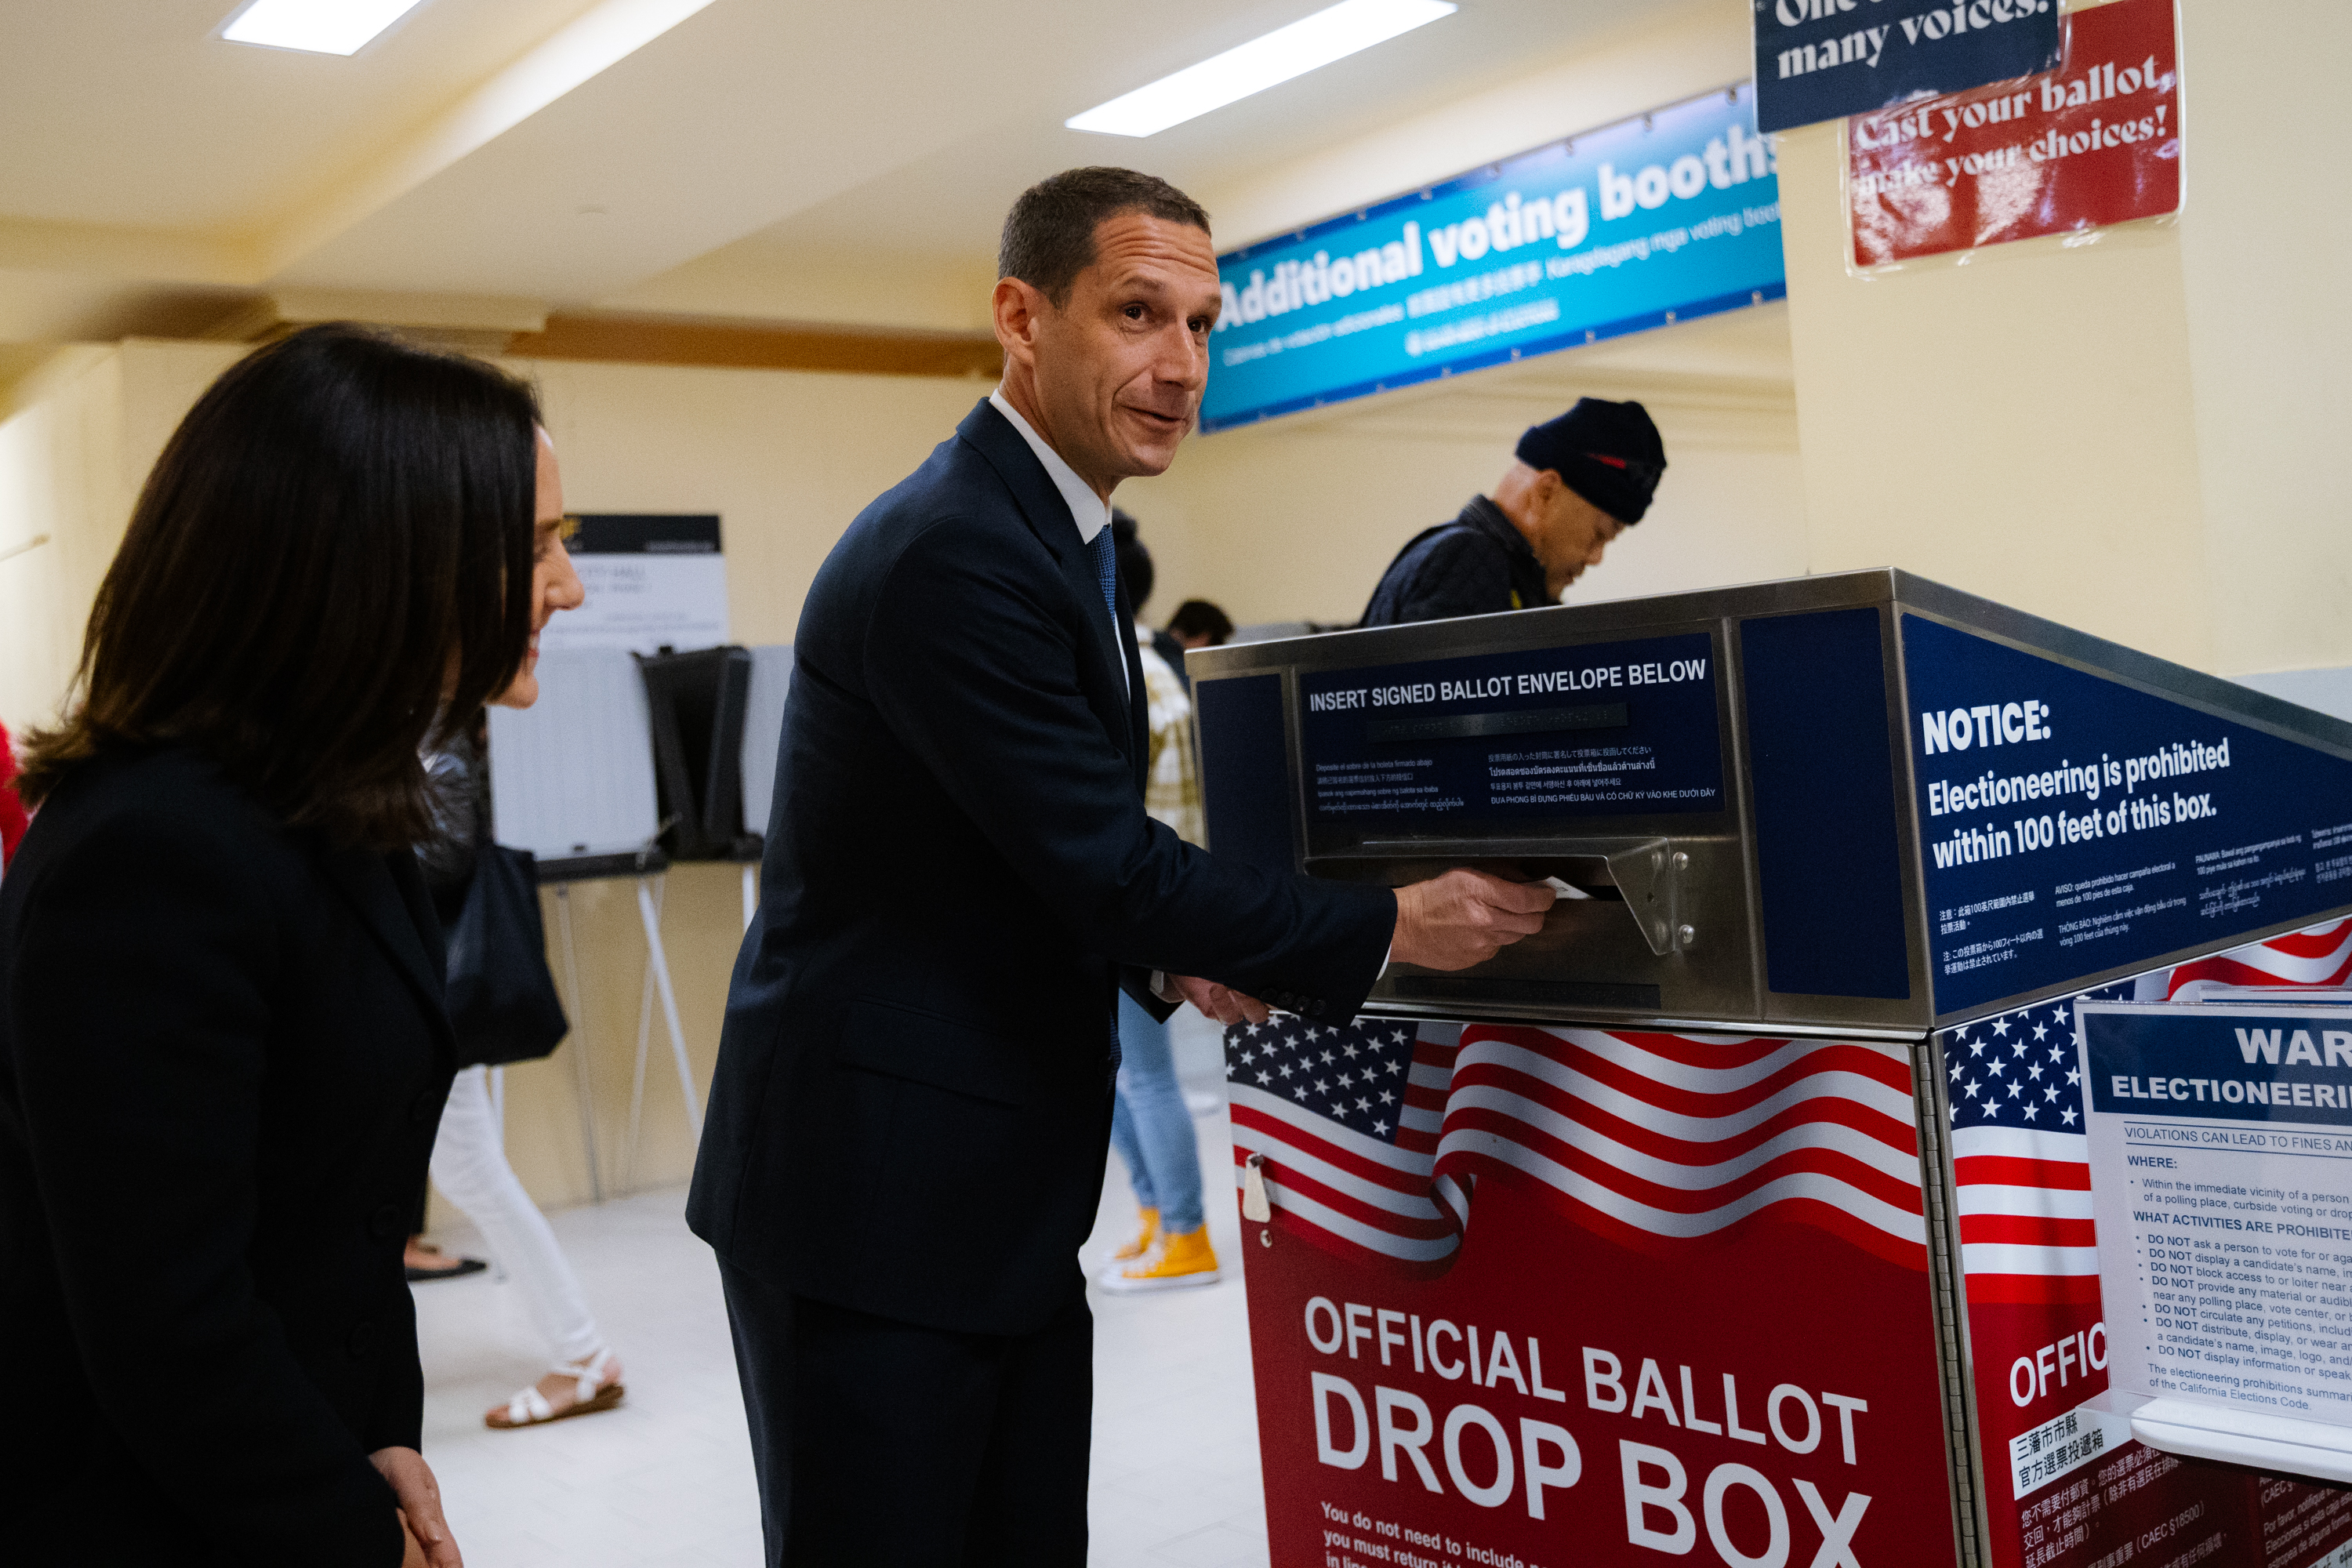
pixel 1742 1216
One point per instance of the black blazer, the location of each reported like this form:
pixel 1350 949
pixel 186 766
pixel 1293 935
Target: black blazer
pixel 911 1111
pixel 222 1060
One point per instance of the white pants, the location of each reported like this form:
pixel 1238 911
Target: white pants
pixel 469 1166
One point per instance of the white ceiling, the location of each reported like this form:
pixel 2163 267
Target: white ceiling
pixel 951 201
pixel 131 114
pixel 573 152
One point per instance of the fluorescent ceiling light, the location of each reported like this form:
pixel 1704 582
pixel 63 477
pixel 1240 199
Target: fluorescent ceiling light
pixel 316 26
pixel 1265 62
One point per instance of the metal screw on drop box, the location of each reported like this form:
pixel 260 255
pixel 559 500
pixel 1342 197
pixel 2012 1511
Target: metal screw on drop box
pixel 1685 934
pixel 1682 861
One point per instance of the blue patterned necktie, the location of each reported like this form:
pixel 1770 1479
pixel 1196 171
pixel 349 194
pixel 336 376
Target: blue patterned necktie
pixel 1106 573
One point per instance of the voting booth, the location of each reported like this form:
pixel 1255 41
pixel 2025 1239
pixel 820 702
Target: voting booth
pixel 1744 1214
pixel 630 762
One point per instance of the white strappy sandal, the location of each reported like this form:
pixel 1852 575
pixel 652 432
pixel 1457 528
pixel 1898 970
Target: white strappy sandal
pixel 529 1407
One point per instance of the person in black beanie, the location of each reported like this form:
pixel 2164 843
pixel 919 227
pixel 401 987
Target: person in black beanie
pixel 1575 483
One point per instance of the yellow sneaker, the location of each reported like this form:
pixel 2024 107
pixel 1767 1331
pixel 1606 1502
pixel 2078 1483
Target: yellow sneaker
pixel 1180 1260
pixel 1143 1240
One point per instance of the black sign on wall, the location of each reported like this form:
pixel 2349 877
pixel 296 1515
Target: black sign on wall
pixel 1824 59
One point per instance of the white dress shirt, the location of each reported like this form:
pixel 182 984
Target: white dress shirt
pixel 1088 509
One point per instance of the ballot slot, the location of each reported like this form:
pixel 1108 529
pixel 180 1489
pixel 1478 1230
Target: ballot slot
pixel 1653 925
pixel 1625 879
pixel 1591 764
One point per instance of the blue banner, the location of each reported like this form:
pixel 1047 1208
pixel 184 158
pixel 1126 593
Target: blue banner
pixel 1824 59
pixel 2071 825
pixel 1638 225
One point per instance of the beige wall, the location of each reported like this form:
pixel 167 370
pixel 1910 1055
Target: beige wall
pixel 85 429
pixel 701 924
pixel 60 476
pixel 2139 435
pixel 1293 520
pixel 2266 254
pixel 786 458
pixel 2021 427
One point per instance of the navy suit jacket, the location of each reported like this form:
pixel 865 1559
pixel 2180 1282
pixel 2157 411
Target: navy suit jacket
pixel 223 1055
pixel 912 1105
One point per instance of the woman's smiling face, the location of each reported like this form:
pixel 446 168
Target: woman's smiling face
pixel 554 586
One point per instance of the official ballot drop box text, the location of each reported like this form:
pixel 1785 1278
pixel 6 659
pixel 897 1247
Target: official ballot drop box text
pixel 1742 1216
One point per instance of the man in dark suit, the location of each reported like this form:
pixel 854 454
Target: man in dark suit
pixel 911 1114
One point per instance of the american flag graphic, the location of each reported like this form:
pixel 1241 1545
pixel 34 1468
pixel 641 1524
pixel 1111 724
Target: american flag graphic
pixel 1347 1118
pixel 1651 1139
pixel 2319 956
pixel 2020 1158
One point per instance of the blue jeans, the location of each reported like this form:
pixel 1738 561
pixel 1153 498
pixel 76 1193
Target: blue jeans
pixel 1150 1126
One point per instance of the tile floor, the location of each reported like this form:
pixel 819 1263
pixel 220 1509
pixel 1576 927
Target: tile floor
pixel 665 1482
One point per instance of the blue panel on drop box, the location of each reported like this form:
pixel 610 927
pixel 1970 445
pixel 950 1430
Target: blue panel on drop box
pixel 1245 753
pixel 1827 848
pixel 2069 824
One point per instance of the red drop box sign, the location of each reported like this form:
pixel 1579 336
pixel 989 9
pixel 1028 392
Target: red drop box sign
pixel 1560 1296
pixel 2096 141
pixel 1572 1296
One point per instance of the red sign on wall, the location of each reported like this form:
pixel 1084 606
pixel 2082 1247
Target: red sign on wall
pixel 2094 142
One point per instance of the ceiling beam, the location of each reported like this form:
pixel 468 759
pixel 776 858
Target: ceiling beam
pixel 747 345
pixel 484 317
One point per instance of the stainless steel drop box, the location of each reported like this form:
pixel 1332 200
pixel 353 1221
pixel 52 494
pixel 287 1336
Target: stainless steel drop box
pixel 1854 802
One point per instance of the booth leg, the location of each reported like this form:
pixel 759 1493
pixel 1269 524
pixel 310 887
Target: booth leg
pixel 645 1039
pixel 669 1008
pixel 580 1049
pixel 750 892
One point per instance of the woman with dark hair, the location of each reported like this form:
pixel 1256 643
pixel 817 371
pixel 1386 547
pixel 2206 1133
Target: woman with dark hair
pixel 223 1048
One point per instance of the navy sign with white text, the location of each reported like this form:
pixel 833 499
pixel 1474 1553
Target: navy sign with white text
pixel 2218 1064
pixel 1824 59
pixel 1602 729
pixel 2074 825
